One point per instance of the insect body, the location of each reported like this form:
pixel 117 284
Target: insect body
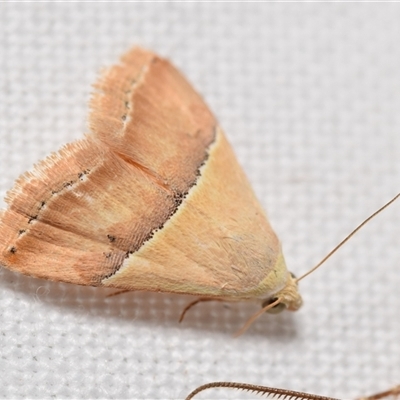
pixel 152 199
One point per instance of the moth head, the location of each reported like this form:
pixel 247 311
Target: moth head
pixel 287 298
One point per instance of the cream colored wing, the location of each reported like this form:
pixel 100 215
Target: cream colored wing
pixel 218 243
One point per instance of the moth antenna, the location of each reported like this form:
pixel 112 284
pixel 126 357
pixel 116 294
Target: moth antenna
pixel 246 326
pixel 394 392
pixel 261 390
pixel 349 236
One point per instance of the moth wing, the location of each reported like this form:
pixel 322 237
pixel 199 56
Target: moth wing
pixel 219 243
pixel 151 199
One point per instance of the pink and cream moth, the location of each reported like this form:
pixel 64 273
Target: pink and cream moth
pixel 152 198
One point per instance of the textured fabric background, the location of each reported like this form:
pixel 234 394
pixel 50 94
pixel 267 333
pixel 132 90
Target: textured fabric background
pixel 309 96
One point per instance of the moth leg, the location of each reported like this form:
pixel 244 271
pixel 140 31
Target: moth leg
pixel 119 292
pixel 193 303
pixel 394 392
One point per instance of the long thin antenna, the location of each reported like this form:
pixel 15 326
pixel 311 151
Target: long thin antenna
pixel 246 326
pixel 349 236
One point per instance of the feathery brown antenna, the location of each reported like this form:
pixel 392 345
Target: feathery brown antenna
pixel 284 393
pixel 261 390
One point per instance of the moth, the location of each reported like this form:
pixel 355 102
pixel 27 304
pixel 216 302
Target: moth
pixel 152 198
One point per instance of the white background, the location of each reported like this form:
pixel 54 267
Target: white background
pixel 309 96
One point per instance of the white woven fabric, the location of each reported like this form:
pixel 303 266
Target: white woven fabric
pixel 309 96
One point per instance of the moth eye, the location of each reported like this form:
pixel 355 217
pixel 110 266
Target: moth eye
pixel 293 275
pixel 278 308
